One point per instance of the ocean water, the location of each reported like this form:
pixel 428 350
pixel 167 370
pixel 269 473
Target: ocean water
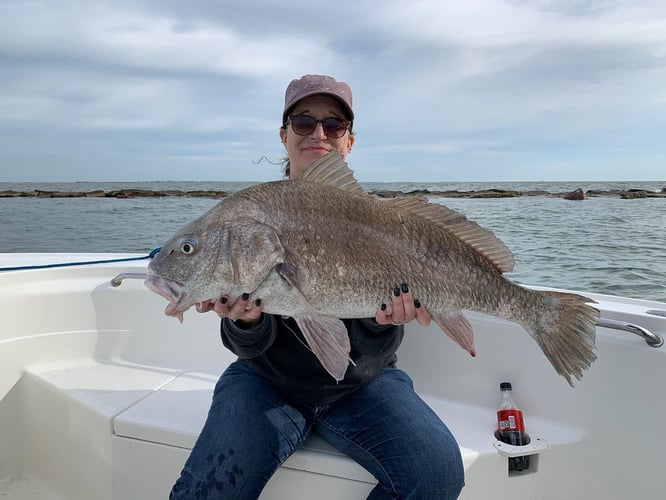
pixel 603 244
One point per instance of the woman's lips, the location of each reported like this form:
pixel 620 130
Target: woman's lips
pixel 316 149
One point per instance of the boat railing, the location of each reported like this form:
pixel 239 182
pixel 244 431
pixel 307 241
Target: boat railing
pixel 652 339
pixel 118 280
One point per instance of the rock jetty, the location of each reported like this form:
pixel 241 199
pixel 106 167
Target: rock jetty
pixel 119 193
pixel 578 194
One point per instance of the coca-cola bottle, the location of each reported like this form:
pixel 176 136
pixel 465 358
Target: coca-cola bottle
pixel 511 427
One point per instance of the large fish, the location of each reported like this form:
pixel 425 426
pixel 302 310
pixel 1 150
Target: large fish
pixel 319 248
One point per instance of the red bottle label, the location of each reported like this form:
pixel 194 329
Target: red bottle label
pixel 510 420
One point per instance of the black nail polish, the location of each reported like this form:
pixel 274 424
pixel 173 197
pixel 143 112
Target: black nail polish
pixel 245 296
pixel 383 307
pixel 404 288
pixel 258 302
pixel 223 300
pixel 396 291
pixel 417 303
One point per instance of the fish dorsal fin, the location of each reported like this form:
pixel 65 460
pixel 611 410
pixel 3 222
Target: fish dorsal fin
pixel 469 232
pixel 332 170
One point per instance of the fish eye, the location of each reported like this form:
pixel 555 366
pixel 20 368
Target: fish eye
pixel 188 247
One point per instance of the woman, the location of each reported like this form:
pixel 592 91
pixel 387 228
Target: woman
pixel 269 401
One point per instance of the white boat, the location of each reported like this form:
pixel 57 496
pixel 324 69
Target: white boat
pixel 102 396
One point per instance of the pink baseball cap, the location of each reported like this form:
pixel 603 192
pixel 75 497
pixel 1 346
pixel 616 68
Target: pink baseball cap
pixel 308 85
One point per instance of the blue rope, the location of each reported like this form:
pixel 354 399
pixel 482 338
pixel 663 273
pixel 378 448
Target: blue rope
pixel 152 254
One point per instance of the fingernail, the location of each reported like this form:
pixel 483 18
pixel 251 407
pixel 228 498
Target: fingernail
pixel 258 302
pixel 245 296
pixel 223 300
pixel 383 307
pixel 396 291
pixel 417 303
pixel 404 287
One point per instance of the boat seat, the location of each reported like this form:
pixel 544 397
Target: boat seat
pixel 136 413
pixel 147 418
pixel 165 406
pixel 175 414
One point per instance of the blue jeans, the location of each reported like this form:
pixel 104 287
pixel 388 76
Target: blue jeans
pixel 384 426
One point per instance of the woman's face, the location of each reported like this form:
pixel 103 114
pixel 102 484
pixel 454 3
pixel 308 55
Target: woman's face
pixel 302 150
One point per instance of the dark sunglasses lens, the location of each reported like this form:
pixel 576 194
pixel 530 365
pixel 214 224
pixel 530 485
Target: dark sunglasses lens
pixel 334 127
pixel 303 124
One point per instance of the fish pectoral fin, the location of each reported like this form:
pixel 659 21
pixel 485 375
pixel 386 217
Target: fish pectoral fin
pixel 326 336
pixel 456 326
pixel 328 339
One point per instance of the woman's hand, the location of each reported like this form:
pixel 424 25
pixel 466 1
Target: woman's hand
pixel 404 308
pixel 243 311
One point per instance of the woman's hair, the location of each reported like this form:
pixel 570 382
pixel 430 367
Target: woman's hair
pixel 286 166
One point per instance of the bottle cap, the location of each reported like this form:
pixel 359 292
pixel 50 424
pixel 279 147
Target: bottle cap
pixel 505 386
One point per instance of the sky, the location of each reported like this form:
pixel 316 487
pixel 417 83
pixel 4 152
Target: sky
pixel 444 90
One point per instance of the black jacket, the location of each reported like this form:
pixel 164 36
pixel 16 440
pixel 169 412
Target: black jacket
pixel 277 351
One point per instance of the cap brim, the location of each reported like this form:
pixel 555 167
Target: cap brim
pixel 345 107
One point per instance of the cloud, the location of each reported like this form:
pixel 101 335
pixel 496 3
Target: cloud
pixel 482 83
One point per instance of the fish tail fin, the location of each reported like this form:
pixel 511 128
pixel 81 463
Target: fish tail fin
pixel 565 331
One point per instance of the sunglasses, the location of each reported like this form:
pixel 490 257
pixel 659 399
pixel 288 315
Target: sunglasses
pixel 306 124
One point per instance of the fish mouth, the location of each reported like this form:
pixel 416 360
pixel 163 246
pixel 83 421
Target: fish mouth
pixel 171 290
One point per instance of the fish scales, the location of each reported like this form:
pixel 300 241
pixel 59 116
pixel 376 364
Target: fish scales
pixel 319 248
pixel 379 249
pixel 377 241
